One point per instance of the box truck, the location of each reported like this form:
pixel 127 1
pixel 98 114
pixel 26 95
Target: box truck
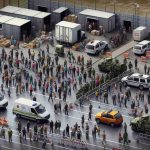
pixel 68 32
pixel 140 33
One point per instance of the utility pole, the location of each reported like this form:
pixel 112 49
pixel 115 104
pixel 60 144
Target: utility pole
pixel 95 5
pixel 18 3
pixel 114 7
pixel 146 19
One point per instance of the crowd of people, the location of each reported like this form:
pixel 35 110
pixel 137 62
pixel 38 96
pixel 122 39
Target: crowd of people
pixel 45 73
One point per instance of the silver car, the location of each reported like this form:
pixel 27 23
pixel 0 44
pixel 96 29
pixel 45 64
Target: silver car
pixel 137 80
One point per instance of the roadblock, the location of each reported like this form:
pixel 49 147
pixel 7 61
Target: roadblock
pixel 143 59
pixel 148 54
pixel 108 54
pixel 126 55
pixel 3 122
pixel 73 143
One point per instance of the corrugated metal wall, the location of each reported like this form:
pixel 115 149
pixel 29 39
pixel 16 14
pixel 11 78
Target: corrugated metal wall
pixel 20 3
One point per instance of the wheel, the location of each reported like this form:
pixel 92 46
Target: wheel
pixel 97 52
pixel 141 87
pixel 125 84
pixel 112 124
pixel 37 120
pixel 134 128
pixel 106 47
pixel 18 116
pixel 97 121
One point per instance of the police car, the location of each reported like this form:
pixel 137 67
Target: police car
pixel 137 80
pixel 96 46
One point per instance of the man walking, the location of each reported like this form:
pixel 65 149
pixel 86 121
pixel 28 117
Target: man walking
pixel 10 135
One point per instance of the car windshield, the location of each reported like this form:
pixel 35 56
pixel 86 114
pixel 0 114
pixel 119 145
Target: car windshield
pixel 90 47
pixel 1 97
pixel 118 116
pixel 137 47
pixel 40 109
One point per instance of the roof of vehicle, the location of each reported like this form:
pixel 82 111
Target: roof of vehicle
pixel 93 42
pixel 28 102
pixel 113 112
pixel 144 42
pixel 140 75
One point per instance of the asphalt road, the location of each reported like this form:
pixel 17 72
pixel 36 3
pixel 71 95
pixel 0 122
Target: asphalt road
pixel 73 117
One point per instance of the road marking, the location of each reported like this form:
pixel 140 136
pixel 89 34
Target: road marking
pixel 33 146
pixel 7 147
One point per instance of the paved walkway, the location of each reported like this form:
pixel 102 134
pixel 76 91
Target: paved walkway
pixel 123 49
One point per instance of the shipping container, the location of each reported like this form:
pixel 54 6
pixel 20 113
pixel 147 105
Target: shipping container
pixel 68 32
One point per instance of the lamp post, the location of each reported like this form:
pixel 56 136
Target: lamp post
pixel 146 19
pixel 114 7
pixel 74 6
pixel 95 4
pixel 136 6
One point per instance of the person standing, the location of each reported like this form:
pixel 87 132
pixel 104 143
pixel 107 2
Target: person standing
pixel 135 63
pixel 10 135
pixel 82 121
pixel 145 69
pixel 51 126
pixel 3 132
pixel 125 138
pixel 19 126
pixel 67 130
pixel 24 132
pixel 30 134
pixel 66 109
pixel 28 126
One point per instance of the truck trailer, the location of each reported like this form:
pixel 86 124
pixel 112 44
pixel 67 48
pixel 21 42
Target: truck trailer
pixel 140 33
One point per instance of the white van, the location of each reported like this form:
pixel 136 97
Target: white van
pixel 3 101
pixel 96 46
pixel 29 109
pixel 141 47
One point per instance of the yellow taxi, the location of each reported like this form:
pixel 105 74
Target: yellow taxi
pixel 111 117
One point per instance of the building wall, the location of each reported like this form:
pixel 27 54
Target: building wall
pixel 33 4
pixel 10 30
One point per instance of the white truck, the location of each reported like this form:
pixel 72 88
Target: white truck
pixel 140 33
pixel 30 109
pixel 68 32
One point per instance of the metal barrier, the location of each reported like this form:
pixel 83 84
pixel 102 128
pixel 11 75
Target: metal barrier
pixel 144 138
pixel 105 85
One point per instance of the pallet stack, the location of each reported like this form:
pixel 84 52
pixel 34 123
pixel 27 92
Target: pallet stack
pixel 71 18
pixel 4 42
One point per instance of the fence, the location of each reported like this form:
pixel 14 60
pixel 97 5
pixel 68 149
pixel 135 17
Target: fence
pixel 106 84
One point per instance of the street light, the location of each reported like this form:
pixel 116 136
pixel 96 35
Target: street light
pixel 95 5
pixel 114 6
pixel 136 6
pixel 146 19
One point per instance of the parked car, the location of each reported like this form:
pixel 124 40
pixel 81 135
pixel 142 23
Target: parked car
pixel 141 124
pixel 111 117
pixel 96 46
pixel 141 47
pixel 137 80
pixel 3 101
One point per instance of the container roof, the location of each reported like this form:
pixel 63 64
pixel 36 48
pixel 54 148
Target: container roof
pixel 140 28
pixel 17 21
pixel 42 15
pixel 97 13
pixel 60 9
pixel 24 12
pixel 4 18
pixel 68 24
pixel 10 9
